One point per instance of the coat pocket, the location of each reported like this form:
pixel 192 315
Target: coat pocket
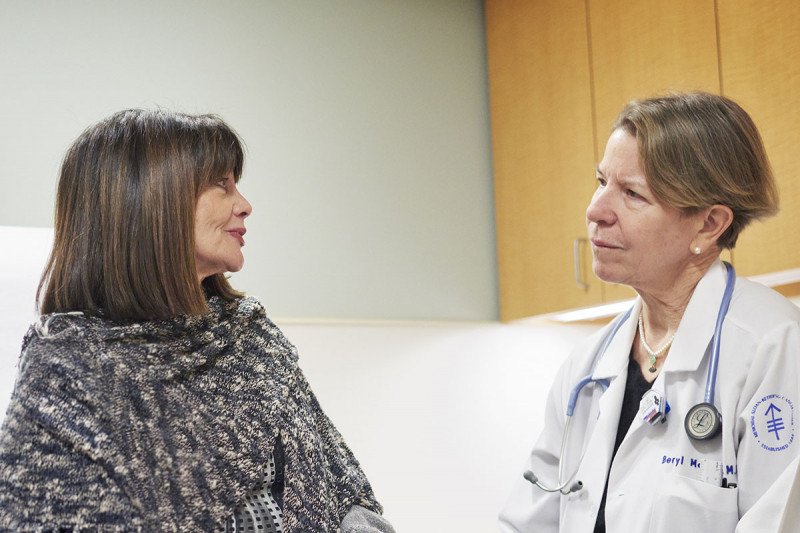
pixel 685 504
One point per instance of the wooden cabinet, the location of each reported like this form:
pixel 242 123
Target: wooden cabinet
pixel 543 151
pixel 642 49
pixel 560 72
pixel 760 65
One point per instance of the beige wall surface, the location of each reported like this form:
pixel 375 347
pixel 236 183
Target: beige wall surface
pixel 366 125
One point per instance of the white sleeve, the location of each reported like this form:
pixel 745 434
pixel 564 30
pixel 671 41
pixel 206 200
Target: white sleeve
pixel 790 521
pixel 766 460
pixel 529 508
pixel 772 508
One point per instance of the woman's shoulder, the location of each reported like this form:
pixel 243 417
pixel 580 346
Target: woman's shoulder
pixel 55 392
pixel 250 304
pixel 758 309
pixel 250 322
pixel 58 373
pixel 245 307
pixel 56 347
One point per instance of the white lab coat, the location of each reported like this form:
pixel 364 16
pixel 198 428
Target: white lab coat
pixel 655 482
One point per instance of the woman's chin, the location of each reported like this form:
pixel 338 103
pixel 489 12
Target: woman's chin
pixel 606 273
pixel 236 266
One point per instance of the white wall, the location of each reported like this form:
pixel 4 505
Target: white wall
pixel 366 123
pixel 24 254
pixel 441 415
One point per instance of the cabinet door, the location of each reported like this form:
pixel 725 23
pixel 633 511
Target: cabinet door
pixel 760 58
pixel 646 48
pixel 543 155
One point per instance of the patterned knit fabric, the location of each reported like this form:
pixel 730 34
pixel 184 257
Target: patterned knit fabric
pixel 167 426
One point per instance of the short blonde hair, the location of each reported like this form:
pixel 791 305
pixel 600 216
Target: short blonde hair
pixel 700 149
pixel 124 227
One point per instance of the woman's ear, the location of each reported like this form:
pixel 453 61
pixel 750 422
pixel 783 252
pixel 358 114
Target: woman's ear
pixel 716 219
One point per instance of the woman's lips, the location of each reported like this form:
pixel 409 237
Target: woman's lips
pixel 238 234
pixel 598 243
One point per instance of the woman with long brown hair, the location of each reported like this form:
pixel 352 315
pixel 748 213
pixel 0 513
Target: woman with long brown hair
pixel 151 395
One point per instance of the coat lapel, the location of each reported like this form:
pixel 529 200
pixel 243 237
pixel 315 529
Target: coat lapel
pixel 602 430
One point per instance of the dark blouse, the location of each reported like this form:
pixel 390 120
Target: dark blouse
pixel 635 387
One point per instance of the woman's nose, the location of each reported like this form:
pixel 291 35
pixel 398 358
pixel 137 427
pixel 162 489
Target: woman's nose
pixel 600 209
pixel 242 207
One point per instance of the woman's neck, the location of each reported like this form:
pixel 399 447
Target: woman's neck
pixel 662 311
pixel 663 307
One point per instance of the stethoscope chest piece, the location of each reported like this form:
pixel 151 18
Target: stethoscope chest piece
pixel 703 421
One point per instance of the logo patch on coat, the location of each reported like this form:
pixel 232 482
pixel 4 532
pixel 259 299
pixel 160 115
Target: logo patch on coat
pixel 772 422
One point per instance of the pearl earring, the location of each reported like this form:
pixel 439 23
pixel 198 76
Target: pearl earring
pixel 697 250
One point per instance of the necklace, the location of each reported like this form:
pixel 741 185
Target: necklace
pixel 654 354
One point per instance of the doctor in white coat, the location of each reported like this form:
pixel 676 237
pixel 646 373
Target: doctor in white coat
pixel 681 176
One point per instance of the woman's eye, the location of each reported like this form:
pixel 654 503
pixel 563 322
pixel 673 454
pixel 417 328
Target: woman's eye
pixel 223 183
pixel 633 194
pixel 601 182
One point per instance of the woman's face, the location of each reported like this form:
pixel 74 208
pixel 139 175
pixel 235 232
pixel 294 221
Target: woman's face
pixel 219 228
pixel 635 240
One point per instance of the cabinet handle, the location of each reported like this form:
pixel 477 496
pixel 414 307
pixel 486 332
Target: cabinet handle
pixel 576 261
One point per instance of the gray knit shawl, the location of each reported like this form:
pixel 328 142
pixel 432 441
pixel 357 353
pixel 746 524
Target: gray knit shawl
pixel 166 426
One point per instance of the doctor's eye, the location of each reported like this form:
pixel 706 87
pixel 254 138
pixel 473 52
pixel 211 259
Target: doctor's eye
pixel 637 197
pixel 633 194
pixel 601 181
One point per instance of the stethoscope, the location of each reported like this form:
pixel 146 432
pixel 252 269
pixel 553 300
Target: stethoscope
pixel 702 422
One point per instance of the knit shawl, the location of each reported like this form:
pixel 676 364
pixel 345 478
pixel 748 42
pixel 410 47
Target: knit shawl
pixel 167 425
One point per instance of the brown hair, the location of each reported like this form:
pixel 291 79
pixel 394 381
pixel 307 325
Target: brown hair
pixel 124 221
pixel 700 149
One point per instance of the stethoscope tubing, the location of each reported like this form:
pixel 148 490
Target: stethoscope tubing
pixel 573 396
pixel 711 378
pixel 563 482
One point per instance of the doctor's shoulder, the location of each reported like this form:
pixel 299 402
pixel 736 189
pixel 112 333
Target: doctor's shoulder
pixel 761 343
pixel 582 357
pixel 759 310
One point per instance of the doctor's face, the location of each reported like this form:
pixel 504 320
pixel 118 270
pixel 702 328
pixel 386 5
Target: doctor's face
pixel 636 240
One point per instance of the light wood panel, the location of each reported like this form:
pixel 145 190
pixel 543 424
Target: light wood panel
pixel 645 48
pixel 760 57
pixel 543 155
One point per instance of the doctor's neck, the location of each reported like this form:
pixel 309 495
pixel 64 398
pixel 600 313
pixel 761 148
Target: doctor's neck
pixel 663 305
